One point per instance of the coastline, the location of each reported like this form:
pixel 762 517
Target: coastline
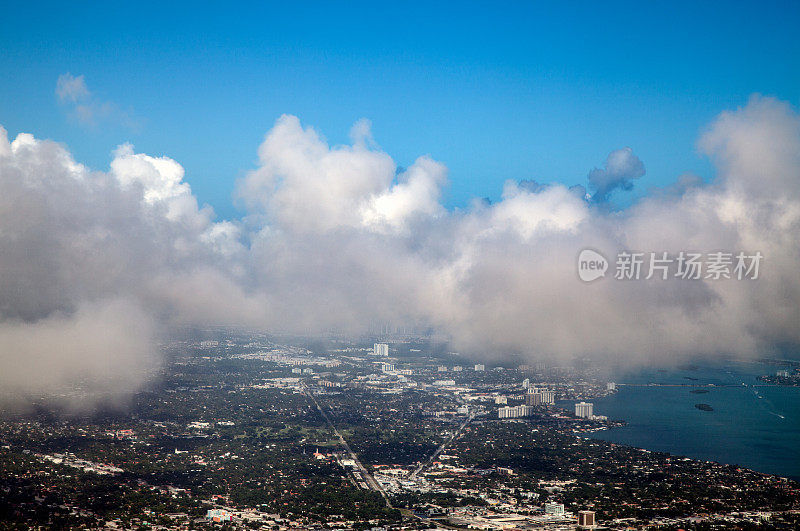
pixel 752 426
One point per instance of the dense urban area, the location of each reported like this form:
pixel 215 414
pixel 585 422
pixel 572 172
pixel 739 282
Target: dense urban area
pixel 259 432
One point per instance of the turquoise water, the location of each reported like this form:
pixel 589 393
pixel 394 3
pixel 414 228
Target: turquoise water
pixel 752 425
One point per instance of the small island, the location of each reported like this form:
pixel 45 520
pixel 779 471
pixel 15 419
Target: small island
pixel 704 407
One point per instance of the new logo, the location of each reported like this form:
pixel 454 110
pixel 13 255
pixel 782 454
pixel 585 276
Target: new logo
pixel 591 265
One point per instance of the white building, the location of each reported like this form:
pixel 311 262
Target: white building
pixel 554 509
pixel 480 367
pixel 500 400
pixel 219 515
pixel 584 410
pixel 611 386
pixel 548 396
pixel 514 412
pixel 387 367
pixel 457 368
pixel 380 349
pixel 444 383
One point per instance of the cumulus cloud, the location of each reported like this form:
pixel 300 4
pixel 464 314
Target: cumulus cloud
pixel 620 169
pixel 77 245
pixel 338 237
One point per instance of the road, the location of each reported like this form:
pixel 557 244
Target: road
pixel 371 482
pixel 444 445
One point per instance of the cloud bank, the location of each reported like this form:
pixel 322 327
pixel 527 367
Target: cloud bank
pixel 95 265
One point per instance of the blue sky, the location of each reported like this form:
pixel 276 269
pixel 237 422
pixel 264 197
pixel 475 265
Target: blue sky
pixel 496 91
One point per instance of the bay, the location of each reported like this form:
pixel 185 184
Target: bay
pixel 752 424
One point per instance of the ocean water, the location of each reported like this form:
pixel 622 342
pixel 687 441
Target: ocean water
pixel 752 424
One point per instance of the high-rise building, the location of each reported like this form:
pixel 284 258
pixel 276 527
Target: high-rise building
pixel 584 410
pixel 611 386
pixel 548 396
pixel 387 367
pixel 457 368
pixel 544 396
pixel 480 367
pixel 380 349
pixel 533 399
pixel 514 412
pixel 554 509
pixel 441 368
pixel 526 383
pixel 586 518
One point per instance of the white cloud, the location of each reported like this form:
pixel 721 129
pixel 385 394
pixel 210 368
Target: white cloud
pixel 621 167
pixel 336 238
pixel 86 108
pixel 305 185
pixel 416 194
pixel 71 89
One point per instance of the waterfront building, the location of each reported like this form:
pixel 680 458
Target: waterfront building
pixel 584 410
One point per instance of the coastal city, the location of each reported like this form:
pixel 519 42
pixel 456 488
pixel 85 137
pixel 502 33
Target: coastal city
pixel 255 432
pixel 382 266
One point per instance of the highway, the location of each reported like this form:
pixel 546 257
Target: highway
pixel 371 482
pixel 444 445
